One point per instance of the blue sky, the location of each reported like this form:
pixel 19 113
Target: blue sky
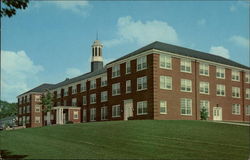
pixel 52 40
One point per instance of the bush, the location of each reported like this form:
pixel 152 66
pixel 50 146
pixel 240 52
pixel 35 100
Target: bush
pixel 204 113
pixel 69 122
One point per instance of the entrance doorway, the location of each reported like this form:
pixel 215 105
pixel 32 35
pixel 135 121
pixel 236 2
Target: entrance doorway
pixel 217 113
pixel 128 109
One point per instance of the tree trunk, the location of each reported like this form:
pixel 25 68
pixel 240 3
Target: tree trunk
pixel 48 119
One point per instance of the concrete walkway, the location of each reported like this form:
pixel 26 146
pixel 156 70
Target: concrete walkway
pixel 239 124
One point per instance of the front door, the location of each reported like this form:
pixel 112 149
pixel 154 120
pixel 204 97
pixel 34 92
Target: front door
pixel 217 113
pixel 128 109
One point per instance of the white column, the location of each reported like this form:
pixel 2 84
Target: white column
pixel 61 116
pixel 57 116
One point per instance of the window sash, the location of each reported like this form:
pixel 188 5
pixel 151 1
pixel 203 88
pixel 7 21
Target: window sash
pixel 186 85
pixel 163 107
pixel 116 111
pixel 115 89
pixel 165 82
pixel 141 63
pixel 142 108
pixel 141 83
pixel 165 61
pixel 186 106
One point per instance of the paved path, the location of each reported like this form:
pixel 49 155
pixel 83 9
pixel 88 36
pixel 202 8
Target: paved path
pixel 239 124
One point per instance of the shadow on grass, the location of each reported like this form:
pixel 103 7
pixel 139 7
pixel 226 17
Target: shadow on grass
pixel 5 154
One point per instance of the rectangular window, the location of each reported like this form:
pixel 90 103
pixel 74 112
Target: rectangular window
pixel 37 119
pixel 84 100
pixel 142 83
pixel 248 110
pixel 128 67
pixel 28 119
pixel 235 75
pixel 236 109
pixel 74 89
pixel 128 86
pixel 166 82
pixel 235 92
pixel 93 84
pixel 75 114
pixel 104 81
pixel 65 102
pixel 37 98
pixel 92 114
pixel 163 107
pixel 83 86
pixel 58 93
pixel 28 109
pixel 74 102
pixel 116 111
pixel 116 71
pixel 142 108
pixel 141 63
pixel 247 93
pixel 186 66
pixel 92 98
pixel 204 69
pixel 205 104
pixel 186 85
pixel 104 113
pixel 220 73
pixel 220 90
pixel 84 115
pixel 165 61
pixel 104 96
pixel 65 92
pixel 186 106
pixel 37 108
pixel 20 110
pixel 204 87
pixel 24 109
pixel 247 77
pixel 115 89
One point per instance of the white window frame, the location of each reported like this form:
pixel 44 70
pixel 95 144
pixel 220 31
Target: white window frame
pixel 37 108
pixel 235 75
pixel 83 86
pixel 116 71
pixel 75 114
pixel 143 105
pixel 220 73
pixel 104 81
pixel 206 104
pixel 92 114
pixel 141 63
pixel 65 92
pixel 204 69
pixel 92 84
pixel 74 101
pixel 236 109
pixel 236 92
pixel 204 88
pixel 247 77
pixel 163 104
pixel 186 66
pixel 28 109
pixel 74 89
pixel 220 88
pixel 37 98
pixel 116 89
pixel 128 67
pixel 92 98
pixel 116 111
pixel 166 82
pixel 84 100
pixel 247 93
pixel 104 113
pixel 248 110
pixel 165 61
pixel 142 83
pixel 104 96
pixel 186 85
pixel 187 106
pixel 37 119
pixel 128 86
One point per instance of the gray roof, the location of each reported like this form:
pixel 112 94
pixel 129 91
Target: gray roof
pixel 40 88
pixel 184 52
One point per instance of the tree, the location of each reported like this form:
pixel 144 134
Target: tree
pixel 10 6
pixel 7 109
pixel 204 113
pixel 47 102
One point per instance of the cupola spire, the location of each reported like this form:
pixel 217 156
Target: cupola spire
pixel 97 60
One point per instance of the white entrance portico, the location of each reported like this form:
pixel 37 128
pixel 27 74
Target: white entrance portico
pixel 63 113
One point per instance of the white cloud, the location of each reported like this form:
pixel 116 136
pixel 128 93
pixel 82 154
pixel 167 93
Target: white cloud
pixel 232 8
pixel 201 21
pixel 129 30
pixel 240 41
pixel 18 72
pixel 73 72
pixel 220 51
pixel 75 6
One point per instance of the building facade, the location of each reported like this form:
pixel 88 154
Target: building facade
pixel 159 81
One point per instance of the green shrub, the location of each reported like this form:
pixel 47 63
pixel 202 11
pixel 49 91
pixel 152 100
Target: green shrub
pixel 204 113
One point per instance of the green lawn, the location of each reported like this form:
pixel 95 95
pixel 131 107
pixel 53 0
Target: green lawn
pixel 143 139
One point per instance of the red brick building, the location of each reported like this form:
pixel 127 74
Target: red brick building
pixel 158 81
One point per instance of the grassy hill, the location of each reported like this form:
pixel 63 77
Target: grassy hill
pixel 146 139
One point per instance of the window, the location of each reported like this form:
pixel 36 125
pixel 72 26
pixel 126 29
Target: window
pixel 74 102
pixel 65 102
pixel 248 93
pixel 116 111
pixel 37 98
pixel 84 100
pixel 116 71
pixel 58 93
pixel 75 114
pixel 28 119
pixel 236 109
pixel 220 90
pixel 74 89
pixel 83 86
pixel 186 85
pixel 142 108
pixel 84 115
pixel 115 89
pixel 163 107
pixel 204 87
pixel 128 67
pixel 37 108
pixel 104 113
pixel 220 73
pixel 205 104
pixel 204 69
pixel 235 92
pixel 24 120
pixel 92 98
pixel 128 86
pixel 142 83
pixel 104 96
pixel 248 110
pixel 186 106
pixel 20 110
pixel 37 119
pixel 247 77
pixel 141 63
pixel 165 61
pixel 186 66
pixel 235 75
pixel 92 114
pixel 24 109
pixel 65 92
pixel 104 81
pixel 93 84
pixel 28 109
pixel 166 82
